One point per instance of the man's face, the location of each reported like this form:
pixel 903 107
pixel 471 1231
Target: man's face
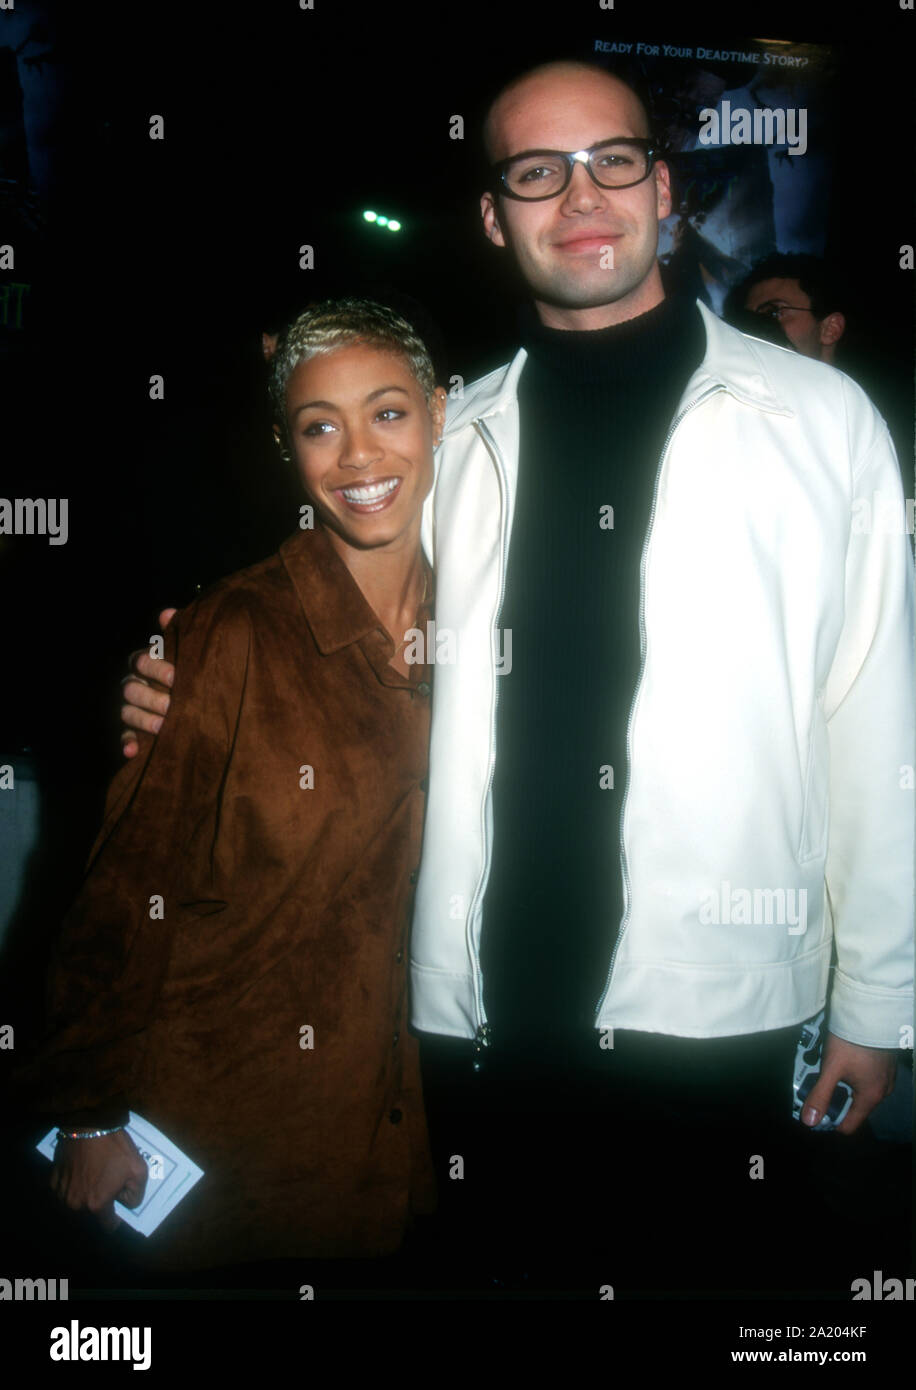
pixel 792 307
pixel 561 244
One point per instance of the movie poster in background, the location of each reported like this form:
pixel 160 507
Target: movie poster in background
pixel 737 201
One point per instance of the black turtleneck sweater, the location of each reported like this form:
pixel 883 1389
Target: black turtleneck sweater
pixel 595 411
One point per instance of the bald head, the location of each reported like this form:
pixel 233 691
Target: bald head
pixel 560 89
pixel 588 252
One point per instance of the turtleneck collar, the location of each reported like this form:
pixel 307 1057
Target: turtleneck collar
pixel 628 349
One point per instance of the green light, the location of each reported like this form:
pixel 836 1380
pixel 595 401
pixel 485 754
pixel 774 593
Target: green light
pixel 381 220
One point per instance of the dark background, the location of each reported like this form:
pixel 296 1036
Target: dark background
pixel 170 257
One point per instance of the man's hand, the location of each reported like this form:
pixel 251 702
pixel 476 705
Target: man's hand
pixel 91 1173
pixel 146 693
pixel 870 1071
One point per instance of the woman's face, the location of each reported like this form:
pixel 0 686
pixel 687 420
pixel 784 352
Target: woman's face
pixel 362 436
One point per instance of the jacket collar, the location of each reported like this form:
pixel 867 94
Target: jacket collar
pixel 332 601
pixel 338 613
pixel 491 395
pixel 733 360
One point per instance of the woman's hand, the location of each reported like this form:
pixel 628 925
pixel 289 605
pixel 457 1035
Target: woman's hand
pixel 90 1173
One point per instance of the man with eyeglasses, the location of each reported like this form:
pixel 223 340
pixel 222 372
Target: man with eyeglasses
pixel 792 299
pixel 794 291
pixel 627 891
pixel 662 739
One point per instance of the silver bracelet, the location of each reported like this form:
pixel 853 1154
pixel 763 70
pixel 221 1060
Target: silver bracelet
pixel 86 1133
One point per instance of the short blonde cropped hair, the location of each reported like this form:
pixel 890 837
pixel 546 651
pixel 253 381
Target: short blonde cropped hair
pixel 337 323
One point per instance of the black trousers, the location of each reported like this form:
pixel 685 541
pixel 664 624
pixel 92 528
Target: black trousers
pixel 665 1164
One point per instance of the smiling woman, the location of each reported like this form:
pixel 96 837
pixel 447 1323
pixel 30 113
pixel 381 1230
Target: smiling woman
pixel 259 1016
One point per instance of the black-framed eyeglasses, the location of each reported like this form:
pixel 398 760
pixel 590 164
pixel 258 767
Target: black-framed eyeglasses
pixel 772 310
pixel 535 175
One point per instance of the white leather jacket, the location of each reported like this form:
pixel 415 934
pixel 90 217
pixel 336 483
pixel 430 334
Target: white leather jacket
pixel 769 803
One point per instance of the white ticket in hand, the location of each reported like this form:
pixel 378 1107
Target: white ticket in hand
pixel 171 1174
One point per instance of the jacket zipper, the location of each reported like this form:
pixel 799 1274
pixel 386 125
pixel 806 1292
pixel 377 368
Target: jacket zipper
pixel 483 1036
pixel 712 391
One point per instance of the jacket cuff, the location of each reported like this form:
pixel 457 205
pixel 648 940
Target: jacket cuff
pixel 868 1016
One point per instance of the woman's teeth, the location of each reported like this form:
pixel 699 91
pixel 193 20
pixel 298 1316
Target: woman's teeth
pixel 372 492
